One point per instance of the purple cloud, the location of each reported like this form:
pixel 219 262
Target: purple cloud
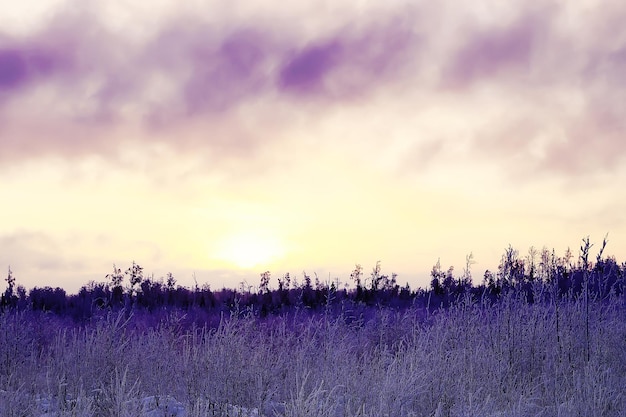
pixel 352 63
pixel 188 71
pixel 530 67
pixel 21 65
pixel 228 75
pixel 218 71
pixel 488 54
pixel 12 69
pixel 551 142
pixel 191 73
pixel 211 72
pixel 306 71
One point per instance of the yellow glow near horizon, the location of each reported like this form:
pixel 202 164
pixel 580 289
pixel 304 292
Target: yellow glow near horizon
pixel 249 249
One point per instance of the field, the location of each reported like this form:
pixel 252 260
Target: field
pixel 509 348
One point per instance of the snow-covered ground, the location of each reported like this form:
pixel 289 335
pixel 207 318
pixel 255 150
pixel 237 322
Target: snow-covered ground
pixel 152 406
pixel 155 406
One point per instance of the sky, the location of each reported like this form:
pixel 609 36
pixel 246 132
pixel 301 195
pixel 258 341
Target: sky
pixel 219 139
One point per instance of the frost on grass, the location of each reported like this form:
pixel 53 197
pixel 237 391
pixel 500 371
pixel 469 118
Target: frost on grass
pixel 509 360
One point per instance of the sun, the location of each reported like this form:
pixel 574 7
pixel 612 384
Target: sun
pixel 248 250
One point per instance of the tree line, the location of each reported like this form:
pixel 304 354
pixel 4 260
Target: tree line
pixel 539 276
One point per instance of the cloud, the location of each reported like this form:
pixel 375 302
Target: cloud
pixel 24 65
pixel 84 83
pixel 34 252
pixel 306 71
pixel 352 64
pixel 210 69
pixel 12 69
pixel 209 72
pixel 556 98
pixel 76 87
pixel 489 54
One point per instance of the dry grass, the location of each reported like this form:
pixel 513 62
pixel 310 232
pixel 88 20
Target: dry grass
pixel 510 359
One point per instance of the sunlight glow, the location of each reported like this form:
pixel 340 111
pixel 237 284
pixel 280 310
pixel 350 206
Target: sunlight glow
pixel 247 249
